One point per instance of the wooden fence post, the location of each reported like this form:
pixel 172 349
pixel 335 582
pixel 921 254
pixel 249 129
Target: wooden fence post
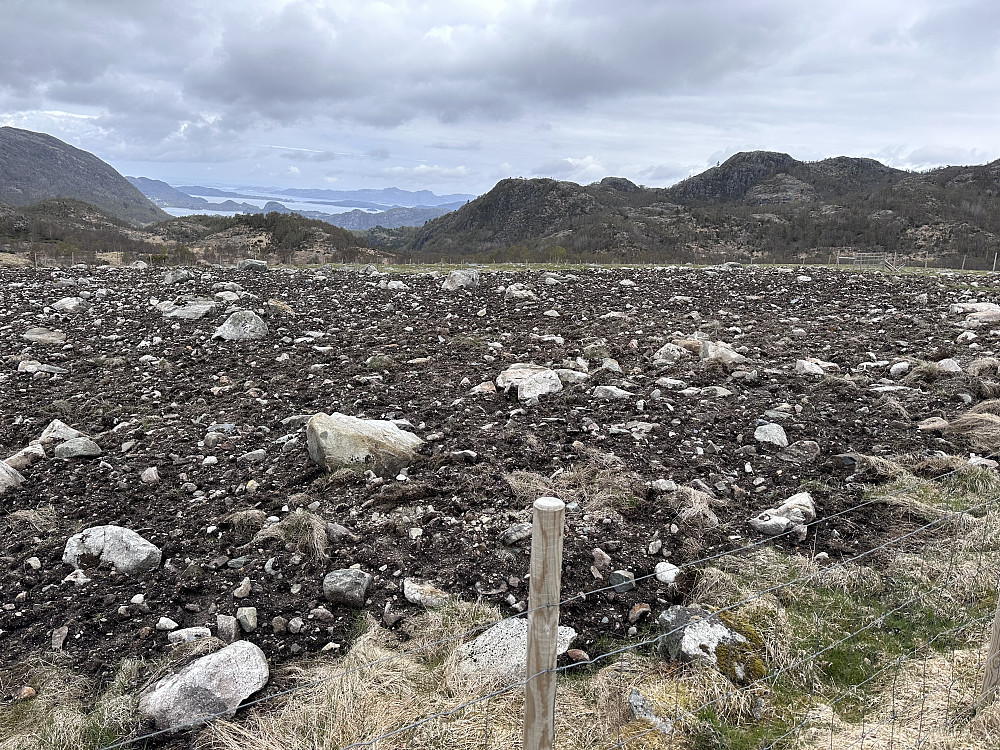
pixel 991 672
pixel 543 623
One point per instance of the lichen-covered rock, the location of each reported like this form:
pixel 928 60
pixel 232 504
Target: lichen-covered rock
pixel 695 634
pixel 338 441
pixel 498 656
pixel 461 279
pixel 242 325
pixel 424 594
pixel 210 686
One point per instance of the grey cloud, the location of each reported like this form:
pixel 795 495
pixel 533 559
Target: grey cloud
pixel 378 153
pixel 458 145
pixel 311 156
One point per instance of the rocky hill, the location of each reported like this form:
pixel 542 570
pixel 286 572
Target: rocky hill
pixel 35 167
pixel 754 206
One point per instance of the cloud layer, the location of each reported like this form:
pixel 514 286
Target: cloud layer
pixel 456 94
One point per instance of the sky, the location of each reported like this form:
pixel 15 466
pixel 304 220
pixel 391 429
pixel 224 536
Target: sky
pixel 455 95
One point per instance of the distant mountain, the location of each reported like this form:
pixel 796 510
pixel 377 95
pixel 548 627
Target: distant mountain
pixel 756 205
pixel 384 197
pixel 36 167
pixel 392 218
pixel 163 194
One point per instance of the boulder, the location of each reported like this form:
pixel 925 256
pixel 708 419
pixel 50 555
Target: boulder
pixel 720 352
pixel 771 433
pixel 518 293
pixel 111 545
pixel 669 354
pixel 26 456
pixel 78 447
pixel 44 336
pixel 516 374
pixel 337 441
pixel 694 634
pixel 9 477
pixel 193 309
pixel 207 687
pixel 424 594
pixel 791 515
pixel 242 325
pixel 177 276
pixel 538 384
pixel 348 586
pixel 805 367
pixel 70 305
pixel 58 431
pixel 461 279
pixel 498 656
pixel 253 265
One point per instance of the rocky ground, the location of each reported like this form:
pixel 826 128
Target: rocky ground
pixel 201 447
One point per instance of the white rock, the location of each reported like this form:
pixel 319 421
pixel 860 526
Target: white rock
pixel 538 384
pixel 899 369
pixel 424 594
pixel 572 376
pixel 669 354
pixel 771 433
pixel 44 336
pixel 58 431
pixel 9 477
pixel 337 441
pixel 517 373
pixel 111 545
pixel 793 514
pixel 667 573
pixel 194 309
pixel 694 635
pixel 165 623
pixel 805 367
pixel 498 656
pixel 397 286
pixel 242 325
pixel 720 352
pixel 211 685
pixel 461 279
pixel 611 392
pixel 70 305
pixel 518 292
pixel 949 365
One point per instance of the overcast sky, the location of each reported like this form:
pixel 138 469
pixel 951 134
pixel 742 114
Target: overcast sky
pixel 453 95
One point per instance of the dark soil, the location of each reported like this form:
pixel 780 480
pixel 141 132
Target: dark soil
pixel 156 411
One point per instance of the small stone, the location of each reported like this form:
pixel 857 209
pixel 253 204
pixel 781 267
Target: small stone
pixel 667 573
pixel 516 533
pixel 165 623
pixel 622 581
pixel 25 693
pixel 348 586
pixel 247 618
pixel 279 625
pixel 243 590
pixel 424 594
pixel 578 655
pixel 638 612
pixel 227 628
pixel 78 447
pixel 59 636
pixel 602 560
pixel 295 625
pixel 771 433
pixel 150 476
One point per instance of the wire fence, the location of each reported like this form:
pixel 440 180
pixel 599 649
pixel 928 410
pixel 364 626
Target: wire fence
pixel 884 648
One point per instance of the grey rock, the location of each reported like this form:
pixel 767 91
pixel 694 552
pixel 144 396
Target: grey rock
pixel 44 336
pixel 622 581
pixel 498 656
pixel 242 325
pixel 26 457
pixel 59 636
pixel 720 352
pixel 667 573
pixel 424 594
pixel 771 433
pixel 193 309
pixel 177 276
pixel 9 477
pixel 186 635
pixel 337 441
pixel 247 618
pixel 166 624
pixel 516 533
pixel 212 685
pixel 71 305
pixel 800 452
pixel 791 515
pixel 461 279
pixel 227 628
pixel 112 545
pixel 252 264
pixel 669 354
pixel 253 457
pixel 693 634
pixel 539 384
pixel 348 586
pixel 78 447
pixel 58 431
pixel 611 392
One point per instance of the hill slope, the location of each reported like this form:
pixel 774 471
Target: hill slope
pixel 36 167
pixel 757 205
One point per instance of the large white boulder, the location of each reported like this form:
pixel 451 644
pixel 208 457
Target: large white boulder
pixel 720 352
pixel 242 325
pixel 498 656
pixel 516 374
pixel 461 279
pixel 9 477
pixel 58 431
pixel 539 384
pixel 210 686
pixel 791 515
pixel 337 441
pixel 111 545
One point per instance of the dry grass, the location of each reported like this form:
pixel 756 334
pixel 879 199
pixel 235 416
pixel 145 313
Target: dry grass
pixel 980 431
pixel 65 714
pixel 246 523
pixel 694 508
pixel 40 519
pixel 302 531
pixel 985 366
pixel 598 481
pixel 990 406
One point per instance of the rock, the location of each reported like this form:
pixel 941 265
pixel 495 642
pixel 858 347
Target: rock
pixel 622 581
pixel 771 433
pixel 638 612
pixel 166 624
pixel 9 477
pixel 242 325
pixel 58 431
pixel 572 377
pixel 461 279
pixel 70 305
pixel 193 309
pixel 516 533
pixel 694 634
pixel 949 365
pixel 186 635
pixel 119 547
pixel 177 276
pixel 611 392
pixel 247 618
pixel 667 573
pixel 44 336
pixel 150 475
pixel 669 354
pixel 805 367
pixel 348 586
pixel 337 441
pixel 253 265
pixel 252 457
pixel 78 447
pixel 59 636
pixel 424 594
pixel 227 628
pixel 32 366
pixel 800 452
pixel 899 369
pixel 643 710
pixel 498 656
pixel 296 625
pixel 516 374
pixel 26 457
pixel 932 424
pixel 518 292
pixel 538 384
pixel 243 590
pixel 212 685
pixel 578 654
pixel 719 352
pixel 793 514
pixel 397 286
